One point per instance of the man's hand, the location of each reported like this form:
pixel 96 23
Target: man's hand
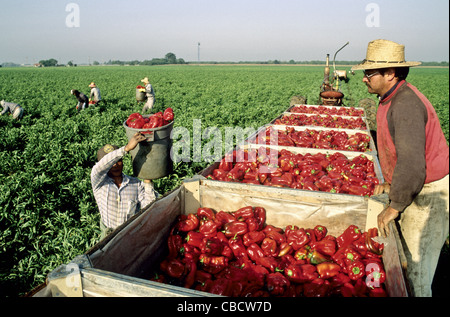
pixel 382 188
pixel 384 218
pixel 138 137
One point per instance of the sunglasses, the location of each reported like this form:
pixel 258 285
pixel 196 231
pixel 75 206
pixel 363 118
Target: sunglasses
pixel 368 76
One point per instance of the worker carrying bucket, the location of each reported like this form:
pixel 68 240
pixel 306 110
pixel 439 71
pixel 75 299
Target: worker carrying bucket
pixel 118 196
pixel 149 95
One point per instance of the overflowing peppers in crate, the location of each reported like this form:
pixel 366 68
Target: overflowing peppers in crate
pixel 334 111
pixel 328 121
pixel 319 139
pixel 237 254
pixel 334 173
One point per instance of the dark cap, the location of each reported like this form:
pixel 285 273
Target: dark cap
pixel 108 148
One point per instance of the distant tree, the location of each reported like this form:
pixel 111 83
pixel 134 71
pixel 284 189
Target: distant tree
pixel 70 64
pixel 95 63
pixel 49 62
pixel 180 61
pixel 171 58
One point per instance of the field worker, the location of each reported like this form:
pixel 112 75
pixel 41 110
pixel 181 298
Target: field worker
pixel 83 101
pixel 413 155
pixel 150 94
pixel 14 109
pixel 94 97
pixel 118 196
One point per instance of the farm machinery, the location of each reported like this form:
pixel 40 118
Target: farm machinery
pixel 330 93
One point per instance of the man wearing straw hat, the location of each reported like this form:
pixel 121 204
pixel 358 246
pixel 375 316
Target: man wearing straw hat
pixel 150 94
pixel 94 97
pixel 414 158
pixel 118 196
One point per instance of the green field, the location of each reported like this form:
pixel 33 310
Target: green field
pixel 48 214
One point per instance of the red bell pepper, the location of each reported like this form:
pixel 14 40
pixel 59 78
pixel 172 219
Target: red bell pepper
pixel 377 292
pixel 316 288
pixel 352 233
pixel 371 245
pixel 190 224
pixel 213 264
pixel 277 284
pixel 194 239
pixel 301 273
pixel 348 290
pixel 204 213
pixel 269 247
pixel 320 232
pixel 235 228
pixel 237 247
pixel 254 252
pixel 302 253
pixel 173 267
pixel 351 255
pixel 253 237
pixel 276 235
pixel 174 242
pixel 356 270
pixel 190 252
pixel 328 269
pixel 212 246
pixel 361 289
pixel 191 267
pixel 209 228
pixel 315 257
pixel 298 238
pixel 243 213
pixel 224 217
pixel 375 273
pixel 260 216
pixel 252 224
pixel 284 249
pixel 325 246
pixel 202 276
pixel 168 114
pixel 268 262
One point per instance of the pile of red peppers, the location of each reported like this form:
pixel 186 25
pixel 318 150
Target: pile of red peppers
pixel 318 120
pixel 334 111
pixel 334 173
pixel 156 120
pixel 317 139
pixel 237 254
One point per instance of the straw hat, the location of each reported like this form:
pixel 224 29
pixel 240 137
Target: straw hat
pixel 92 85
pixel 384 54
pixel 108 148
pixel 145 80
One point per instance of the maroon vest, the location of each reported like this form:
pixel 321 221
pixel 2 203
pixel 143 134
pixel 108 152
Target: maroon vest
pixel 436 148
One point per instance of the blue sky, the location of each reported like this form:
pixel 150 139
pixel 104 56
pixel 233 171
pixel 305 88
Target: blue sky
pixel 232 30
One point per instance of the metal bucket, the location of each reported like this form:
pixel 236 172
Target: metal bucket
pixel 140 95
pixel 151 158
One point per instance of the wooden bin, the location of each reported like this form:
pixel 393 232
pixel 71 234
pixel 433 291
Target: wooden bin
pixel 120 264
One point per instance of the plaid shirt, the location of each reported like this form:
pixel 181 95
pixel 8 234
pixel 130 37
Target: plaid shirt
pixel 117 205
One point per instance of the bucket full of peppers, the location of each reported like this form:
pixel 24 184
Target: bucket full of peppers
pixel 237 254
pixel 151 158
pixel 140 93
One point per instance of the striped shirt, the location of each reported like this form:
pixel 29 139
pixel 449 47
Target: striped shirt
pixel 117 205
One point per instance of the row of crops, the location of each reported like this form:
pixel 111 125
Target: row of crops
pixel 48 214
